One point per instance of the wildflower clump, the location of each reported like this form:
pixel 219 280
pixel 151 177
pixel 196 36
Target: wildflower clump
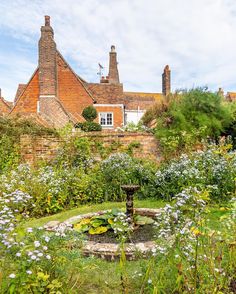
pixel 27 256
pixel 198 257
pixel 213 167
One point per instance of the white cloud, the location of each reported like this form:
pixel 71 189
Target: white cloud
pixel 196 38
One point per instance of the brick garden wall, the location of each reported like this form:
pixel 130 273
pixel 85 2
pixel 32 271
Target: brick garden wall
pixel 34 149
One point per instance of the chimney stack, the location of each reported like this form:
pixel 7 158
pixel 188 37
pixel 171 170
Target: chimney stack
pixel 220 92
pixel 0 93
pixel 113 70
pixel 166 86
pixel 47 61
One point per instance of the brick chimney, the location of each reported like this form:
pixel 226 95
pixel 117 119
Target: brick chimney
pixel 113 70
pixel 166 87
pixel 47 61
pixel 220 92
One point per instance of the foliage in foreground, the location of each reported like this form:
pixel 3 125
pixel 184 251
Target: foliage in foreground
pixel 70 183
pixel 190 255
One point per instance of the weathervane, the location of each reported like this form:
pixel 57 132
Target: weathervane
pixel 100 68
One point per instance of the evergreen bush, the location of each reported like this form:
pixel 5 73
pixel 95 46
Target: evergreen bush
pixel 89 113
pixel 89 126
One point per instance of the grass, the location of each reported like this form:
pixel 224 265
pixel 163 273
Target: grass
pixel 62 216
pixel 91 279
pixel 213 216
pixel 94 275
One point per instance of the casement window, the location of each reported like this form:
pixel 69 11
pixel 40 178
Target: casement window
pixel 106 119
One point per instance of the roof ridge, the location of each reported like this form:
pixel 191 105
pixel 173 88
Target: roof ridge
pixel 5 102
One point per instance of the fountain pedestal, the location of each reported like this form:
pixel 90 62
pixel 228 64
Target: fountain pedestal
pixel 130 190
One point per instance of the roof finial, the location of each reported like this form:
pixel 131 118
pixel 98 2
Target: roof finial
pixel 167 68
pixel 47 20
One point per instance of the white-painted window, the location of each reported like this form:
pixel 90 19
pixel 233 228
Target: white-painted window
pixel 106 119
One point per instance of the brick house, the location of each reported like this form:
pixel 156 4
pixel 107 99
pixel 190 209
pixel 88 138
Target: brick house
pixel 5 106
pixel 55 94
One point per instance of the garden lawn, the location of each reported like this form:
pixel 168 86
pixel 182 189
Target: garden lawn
pixel 215 212
pixel 94 275
pixel 150 203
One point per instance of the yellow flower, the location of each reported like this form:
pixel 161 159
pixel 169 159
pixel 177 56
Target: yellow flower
pixel 195 231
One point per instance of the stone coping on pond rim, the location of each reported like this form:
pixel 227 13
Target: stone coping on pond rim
pixel 110 251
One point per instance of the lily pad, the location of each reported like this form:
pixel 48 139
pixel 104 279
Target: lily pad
pixel 97 222
pixel 81 228
pixel 97 231
pixel 110 221
pixel 85 221
pixel 143 220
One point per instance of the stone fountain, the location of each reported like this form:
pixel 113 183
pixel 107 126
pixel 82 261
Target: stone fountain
pixel 111 251
pixel 130 190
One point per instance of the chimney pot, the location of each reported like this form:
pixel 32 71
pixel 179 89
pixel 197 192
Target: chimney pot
pixel 47 20
pixel 113 48
pixel 166 68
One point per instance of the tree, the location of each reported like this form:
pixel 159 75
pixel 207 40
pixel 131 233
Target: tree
pixel 89 113
pixel 192 116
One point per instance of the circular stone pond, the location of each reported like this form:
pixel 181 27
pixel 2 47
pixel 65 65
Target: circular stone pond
pixel 106 245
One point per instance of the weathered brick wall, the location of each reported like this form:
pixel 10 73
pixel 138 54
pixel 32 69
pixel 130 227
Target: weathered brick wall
pixel 34 149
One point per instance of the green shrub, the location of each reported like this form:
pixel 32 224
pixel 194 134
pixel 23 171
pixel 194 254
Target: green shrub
pixel 89 113
pixel 9 155
pixel 74 151
pixel 89 126
pixel 190 117
pixel 213 169
pixel 119 169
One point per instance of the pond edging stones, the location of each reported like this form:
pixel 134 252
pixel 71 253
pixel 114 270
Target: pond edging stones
pixel 110 251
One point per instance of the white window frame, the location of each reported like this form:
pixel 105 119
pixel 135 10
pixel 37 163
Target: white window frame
pixel 112 117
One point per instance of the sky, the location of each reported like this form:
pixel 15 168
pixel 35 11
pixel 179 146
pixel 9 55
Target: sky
pixel 196 38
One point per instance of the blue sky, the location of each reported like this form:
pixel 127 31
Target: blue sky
pixel 195 37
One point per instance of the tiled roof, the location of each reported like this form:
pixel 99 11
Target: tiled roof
pixel 5 106
pixel 139 100
pixel 106 93
pixel 231 96
pixel 19 91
